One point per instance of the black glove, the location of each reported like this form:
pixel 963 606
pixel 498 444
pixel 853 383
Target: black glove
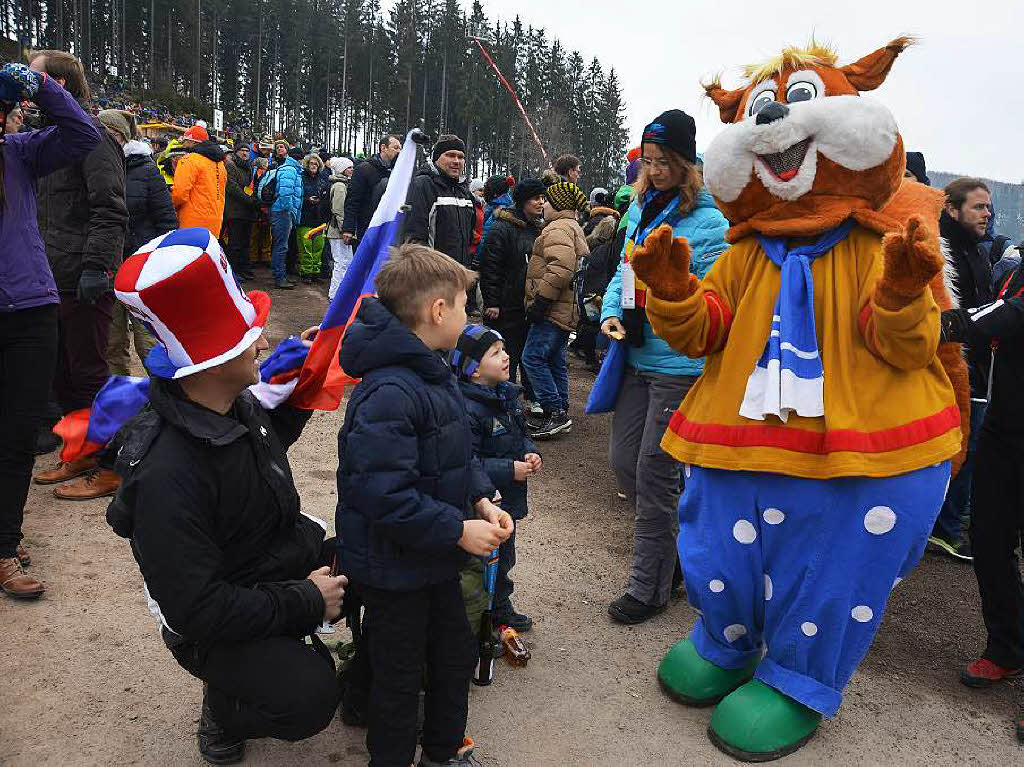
pixel 92 286
pixel 538 310
pixel 954 326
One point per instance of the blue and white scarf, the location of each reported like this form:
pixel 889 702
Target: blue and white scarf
pixel 789 377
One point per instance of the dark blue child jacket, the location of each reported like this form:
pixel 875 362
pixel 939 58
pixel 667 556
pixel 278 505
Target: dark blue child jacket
pixel 406 475
pixel 499 438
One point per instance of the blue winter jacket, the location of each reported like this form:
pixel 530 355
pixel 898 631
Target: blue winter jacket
pixel 289 188
pixel 705 228
pixel 499 438
pixel 407 478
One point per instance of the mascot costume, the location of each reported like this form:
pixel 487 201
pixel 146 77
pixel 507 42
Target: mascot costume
pixel 818 444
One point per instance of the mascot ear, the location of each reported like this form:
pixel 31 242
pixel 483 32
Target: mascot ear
pixel 728 101
pixel 868 73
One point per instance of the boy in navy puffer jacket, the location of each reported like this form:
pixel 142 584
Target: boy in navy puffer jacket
pixel 408 487
pixel 500 442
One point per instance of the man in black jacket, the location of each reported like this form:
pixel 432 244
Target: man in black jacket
pixel 83 218
pixel 359 203
pixel 442 207
pixel 239 211
pixel 962 225
pixel 233 570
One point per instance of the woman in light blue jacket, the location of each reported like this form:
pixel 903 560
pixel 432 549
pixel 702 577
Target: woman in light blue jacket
pixel 669 192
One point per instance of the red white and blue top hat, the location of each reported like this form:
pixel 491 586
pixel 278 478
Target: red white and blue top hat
pixel 182 287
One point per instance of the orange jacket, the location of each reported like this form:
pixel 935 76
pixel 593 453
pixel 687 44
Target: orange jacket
pixel 199 188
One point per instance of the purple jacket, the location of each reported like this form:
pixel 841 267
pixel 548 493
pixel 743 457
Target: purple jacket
pixel 25 276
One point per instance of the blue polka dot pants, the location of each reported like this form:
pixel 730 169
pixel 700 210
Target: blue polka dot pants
pixel 799 569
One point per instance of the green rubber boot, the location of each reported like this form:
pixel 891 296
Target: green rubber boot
pixel 757 723
pixel 689 679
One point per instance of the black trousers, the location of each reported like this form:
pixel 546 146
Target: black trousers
pixel 514 331
pixel 82 359
pixel 586 339
pixel 268 688
pixel 410 632
pixel 28 354
pixel 997 521
pixel 239 232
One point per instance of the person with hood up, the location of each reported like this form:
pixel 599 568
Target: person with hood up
pixel 200 183
pixel 28 295
pixel 341 253
pixel 315 189
pixel 359 204
pixel 285 209
pixel 443 210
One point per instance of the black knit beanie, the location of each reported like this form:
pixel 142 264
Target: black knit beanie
pixel 447 143
pixel 527 189
pixel 473 344
pixel 676 130
pixel 915 164
pixel 496 186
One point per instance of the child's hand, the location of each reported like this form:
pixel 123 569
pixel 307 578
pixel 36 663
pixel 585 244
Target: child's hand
pixel 307 335
pixel 480 537
pixel 488 511
pixel 523 469
pixel 535 462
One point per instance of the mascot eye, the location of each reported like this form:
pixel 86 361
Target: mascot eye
pixel 760 100
pixel 801 91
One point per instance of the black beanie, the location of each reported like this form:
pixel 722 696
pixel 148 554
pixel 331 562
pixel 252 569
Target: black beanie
pixel 496 186
pixel 527 189
pixel 473 344
pixel 915 164
pixel 676 130
pixel 447 143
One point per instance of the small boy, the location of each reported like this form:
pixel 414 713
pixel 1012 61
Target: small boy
pixel 500 441
pixel 552 307
pixel 407 487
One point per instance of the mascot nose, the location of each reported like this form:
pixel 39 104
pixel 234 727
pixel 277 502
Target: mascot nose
pixel 771 112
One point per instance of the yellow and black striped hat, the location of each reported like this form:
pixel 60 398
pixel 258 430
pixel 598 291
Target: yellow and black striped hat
pixel 566 196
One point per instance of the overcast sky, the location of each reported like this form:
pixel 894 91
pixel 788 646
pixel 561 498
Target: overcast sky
pixel 958 95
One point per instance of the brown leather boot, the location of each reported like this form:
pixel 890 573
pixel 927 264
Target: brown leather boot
pixel 97 484
pixel 23 556
pixel 16 583
pixel 66 470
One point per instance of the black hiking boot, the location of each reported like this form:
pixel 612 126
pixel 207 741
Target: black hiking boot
pixel 630 610
pixel 215 745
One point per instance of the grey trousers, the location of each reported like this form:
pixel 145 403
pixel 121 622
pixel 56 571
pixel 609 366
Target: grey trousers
pixel 649 477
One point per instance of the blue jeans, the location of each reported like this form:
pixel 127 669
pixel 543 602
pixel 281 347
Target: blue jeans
pixel 546 363
pixel 280 230
pixel 956 509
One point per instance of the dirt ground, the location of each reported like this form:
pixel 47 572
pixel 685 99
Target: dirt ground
pixel 89 681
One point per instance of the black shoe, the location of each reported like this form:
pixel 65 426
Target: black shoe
pixel 46 442
pixel 215 745
pixel 518 621
pixel 284 284
pixel 545 428
pixel 629 610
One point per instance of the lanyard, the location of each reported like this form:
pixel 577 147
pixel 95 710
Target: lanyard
pixel 629 297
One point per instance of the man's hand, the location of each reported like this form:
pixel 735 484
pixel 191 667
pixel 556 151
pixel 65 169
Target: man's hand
pixel 613 328
pixel 92 286
pixel 347 237
pixel 480 537
pixel 521 470
pixel 535 461
pixel 307 335
pixel 332 588
pixel 486 510
pixel 492 313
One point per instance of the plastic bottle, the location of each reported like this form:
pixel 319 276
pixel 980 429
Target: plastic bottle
pixel 515 650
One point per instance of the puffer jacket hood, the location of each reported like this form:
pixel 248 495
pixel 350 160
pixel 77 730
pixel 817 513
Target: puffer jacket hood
pixel 377 339
pixel 135 148
pixel 210 150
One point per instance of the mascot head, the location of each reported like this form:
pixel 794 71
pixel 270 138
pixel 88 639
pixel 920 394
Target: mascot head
pixel 803 150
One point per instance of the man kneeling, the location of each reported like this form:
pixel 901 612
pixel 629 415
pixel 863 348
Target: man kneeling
pixel 232 569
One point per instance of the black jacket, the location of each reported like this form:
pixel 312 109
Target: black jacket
pixel 237 204
pixel 442 213
pixel 506 252
pixel 973 281
pixel 499 438
pixel 601 264
pixel 150 210
pixel 314 186
pixel 82 214
pixel 998 325
pixel 359 204
pixel 406 475
pixel 212 513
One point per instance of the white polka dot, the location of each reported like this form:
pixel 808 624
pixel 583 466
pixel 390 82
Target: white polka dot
pixel 769 589
pixel 862 613
pixel 880 520
pixel 734 632
pixel 896 583
pixel 686 470
pixel 744 532
pixel 716 586
pixel 809 628
pixel 773 516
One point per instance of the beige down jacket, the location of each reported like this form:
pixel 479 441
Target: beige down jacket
pixel 551 273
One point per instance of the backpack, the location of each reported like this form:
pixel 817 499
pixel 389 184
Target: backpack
pixel 268 188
